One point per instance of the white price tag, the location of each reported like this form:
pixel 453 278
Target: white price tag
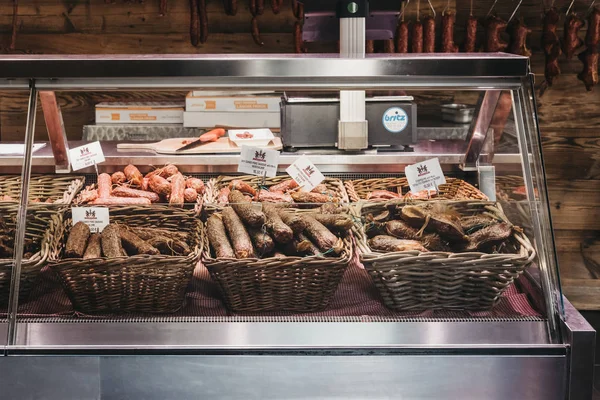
pixel 257 161
pixel 426 175
pixel 86 155
pixel 306 175
pixel 97 218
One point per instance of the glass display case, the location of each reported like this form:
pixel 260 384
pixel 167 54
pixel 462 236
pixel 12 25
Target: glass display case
pixel 478 315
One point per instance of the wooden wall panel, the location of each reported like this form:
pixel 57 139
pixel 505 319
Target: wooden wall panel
pixel 569 116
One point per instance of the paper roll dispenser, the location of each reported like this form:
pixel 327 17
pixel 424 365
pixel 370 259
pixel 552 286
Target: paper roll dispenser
pixel 313 122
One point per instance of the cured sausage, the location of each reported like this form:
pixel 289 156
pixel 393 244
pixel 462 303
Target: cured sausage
pixel 592 37
pixel 429 35
pixel 401 38
pixel 111 242
pixel 493 28
pixel 194 23
pixel 470 43
pixel 293 220
pixel 176 197
pixel 284 186
pixel 278 229
pixel 104 186
pixel 416 37
pixel 275 6
pixel 389 243
pixel 123 191
pixel 370 46
pixel 320 235
pixel 190 195
pixel 118 178
pixel 263 243
pixel 203 21
pixel 448 45
pixel 589 75
pixel 133 175
pixel 122 201
pixel 334 222
pixel 217 237
pixel 551 45
pixel 77 240
pixel 94 247
pixel 242 187
pixel 134 244
pixel 196 184
pixel 518 38
pixel 242 244
pixel 298 41
pixel 246 210
pixel 256 32
pixel 163 8
pixel 571 40
pixel 159 185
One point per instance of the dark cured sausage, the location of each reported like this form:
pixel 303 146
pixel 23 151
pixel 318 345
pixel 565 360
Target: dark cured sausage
pixel 448 45
pixel 77 240
pixel 401 38
pixel 429 35
pixel 416 37
pixel 470 43
pixel 242 244
pixel 217 237
pixel 551 45
pixel 370 46
pixel 298 42
pixel 203 21
pixel 194 23
pixel 518 38
pixel 256 32
pixel 571 40
pixel 493 29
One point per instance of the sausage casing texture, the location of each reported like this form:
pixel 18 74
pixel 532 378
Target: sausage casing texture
pixel 370 46
pixel 592 37
pixel 551 45
pixel 429 35
pixel 133 175
pixel 493 42
pixel 335 222
pixel 217 237
pixel 159 185
pixel 122 201
pixel 389 243
pixel 571 40
pixel 77 240
pixel 104 185
pixel 589 74
pixel 123 191
pixel 518 38
pixel 134 244
pixel 194 23
pixel 401 37
pixel 118 178
pixel 240 239
pixel 470 43
pixel 284 186
pixel 293 220
pixel 242 187
pixel 196 184
pixel 400 230
pixel 177 190
pixel 256 32
pixel 203 15
pixel 281 232
pixel 246 210
pixel 448 45
pixel 298 41
pixel 310 197
pixel 94 247
pixel 263 242
pixel 319 234
pixel 416 40
pixel 111 241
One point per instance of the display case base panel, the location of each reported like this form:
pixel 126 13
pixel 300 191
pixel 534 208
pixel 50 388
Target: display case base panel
pixel 355 299
pixel 435 376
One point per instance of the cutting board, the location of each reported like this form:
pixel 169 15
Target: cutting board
pixel 170 146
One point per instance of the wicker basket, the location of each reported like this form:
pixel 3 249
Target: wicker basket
pixel 62 188
pixel 142 283
pixel 41 224
pixel 414 281
pixel 217 184
pixel 285 284
pixel 453 189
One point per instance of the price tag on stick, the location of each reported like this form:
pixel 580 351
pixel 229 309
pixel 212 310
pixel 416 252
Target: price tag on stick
pixel 86 155
pixel 426 175
pixel 306 175
pixel 258 161
pixel 97 218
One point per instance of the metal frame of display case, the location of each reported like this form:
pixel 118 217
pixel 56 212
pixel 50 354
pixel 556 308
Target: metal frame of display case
pixel 252 357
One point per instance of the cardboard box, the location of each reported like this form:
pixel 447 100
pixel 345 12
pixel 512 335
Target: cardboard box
pixel 139 113
pixel 242 120
pixel 232 103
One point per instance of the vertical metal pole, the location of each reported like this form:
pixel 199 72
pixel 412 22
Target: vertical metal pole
pixel 22 215
pixel 547 276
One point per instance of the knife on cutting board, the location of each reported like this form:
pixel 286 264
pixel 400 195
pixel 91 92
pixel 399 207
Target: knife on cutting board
pixel 207 137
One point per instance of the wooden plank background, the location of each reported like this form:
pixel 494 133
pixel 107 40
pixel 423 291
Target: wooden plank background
pixel 569 116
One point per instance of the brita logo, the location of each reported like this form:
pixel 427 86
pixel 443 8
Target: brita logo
pixel 395 120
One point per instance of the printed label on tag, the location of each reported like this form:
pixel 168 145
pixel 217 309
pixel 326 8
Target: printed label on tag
pixel 257 161
pixel 426 175
pixel 306 175
pixel 86 155
pixel 97 218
